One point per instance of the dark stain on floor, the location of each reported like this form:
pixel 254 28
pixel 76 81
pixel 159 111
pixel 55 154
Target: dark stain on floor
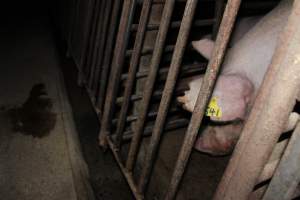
pixel 35 117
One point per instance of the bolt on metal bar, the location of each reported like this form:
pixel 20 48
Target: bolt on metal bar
pixel 134 62
pixel 116 68
pixel 214 65
pixel 154 66
pixel 98 63
pixel 287 174
pixel 280 87
pixel 108 54
pixel 180 46
pixel 99 35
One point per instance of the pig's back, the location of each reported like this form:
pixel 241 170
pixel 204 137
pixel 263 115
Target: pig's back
pixel 252 54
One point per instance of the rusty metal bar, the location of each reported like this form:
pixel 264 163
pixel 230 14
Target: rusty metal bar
pixel 180 46
pixel 155 61
pixel 134 62
pixel 170 125
pixel 176 24
pixel 186 69
pixel 287 174
pixel 108 54
pixel 168 48
pixel 227 23
pixel 98 63
pixel 116 68
pixel 280 87
pixel 99 35
pixel 128 175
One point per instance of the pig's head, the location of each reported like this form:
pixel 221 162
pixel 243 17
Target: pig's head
pixel 233 92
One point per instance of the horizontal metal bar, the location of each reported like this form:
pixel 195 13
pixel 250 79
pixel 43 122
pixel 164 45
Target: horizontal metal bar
pixel 186 69
pixel 176 24
pixel 145 51
pixel 132 118
pixel 170 125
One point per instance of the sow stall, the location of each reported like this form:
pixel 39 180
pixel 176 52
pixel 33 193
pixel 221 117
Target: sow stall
pixel 134 57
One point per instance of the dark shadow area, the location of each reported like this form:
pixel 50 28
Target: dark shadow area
pixel 106 178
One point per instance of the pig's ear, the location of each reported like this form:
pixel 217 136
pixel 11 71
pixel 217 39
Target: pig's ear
pixel 234 94
pixel 204 47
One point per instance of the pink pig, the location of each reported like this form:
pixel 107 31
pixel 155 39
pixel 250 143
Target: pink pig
pixel 253 44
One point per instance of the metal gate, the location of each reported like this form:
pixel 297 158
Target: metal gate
pixel 131 57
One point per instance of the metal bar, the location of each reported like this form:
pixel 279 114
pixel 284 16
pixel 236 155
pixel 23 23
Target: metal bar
pixel 168 48
pixel 99 35
pixel 155 61
pixel 98 64
pixel 186 69
pixel 280 87
pixel 134 62
pixel 116 68
pixel 108 54
pixel 227 23
pixel 287 174
pixel 219 9
pixel 128 175
pixel 273 162
pixel 176 24
pixel 170 125
pixel 180 46
pixel 91 38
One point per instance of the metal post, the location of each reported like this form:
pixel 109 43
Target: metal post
pixel 265 123
pixel 204 95
pixel 155 61
pixel 116 68
pixel 134 62
pixel 168 92
pixel 108 54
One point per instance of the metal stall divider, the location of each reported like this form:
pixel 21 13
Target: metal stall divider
pixel 280 87
pixel 116 68
pixel 227 23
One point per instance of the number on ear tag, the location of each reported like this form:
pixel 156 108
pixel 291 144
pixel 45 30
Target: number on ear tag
pixel 213 109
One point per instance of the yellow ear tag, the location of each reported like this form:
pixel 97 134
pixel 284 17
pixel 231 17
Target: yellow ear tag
pixel 213 109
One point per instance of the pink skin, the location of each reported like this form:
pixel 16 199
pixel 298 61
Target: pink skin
pixel 241 75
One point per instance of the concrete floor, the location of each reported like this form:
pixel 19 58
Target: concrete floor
pixel 31 168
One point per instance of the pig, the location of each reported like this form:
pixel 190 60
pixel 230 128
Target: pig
pixel 240 77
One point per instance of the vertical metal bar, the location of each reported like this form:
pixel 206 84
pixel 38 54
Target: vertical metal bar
pixel 117 65
pixel 278 91
pixel 180 46
pixel 287 174
pixel 155 61
pixel 108 54
pixel 204 95
pixel 134 62
pixel 98 64
pixel 219 9
pixel 85 69
pixel 99 35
